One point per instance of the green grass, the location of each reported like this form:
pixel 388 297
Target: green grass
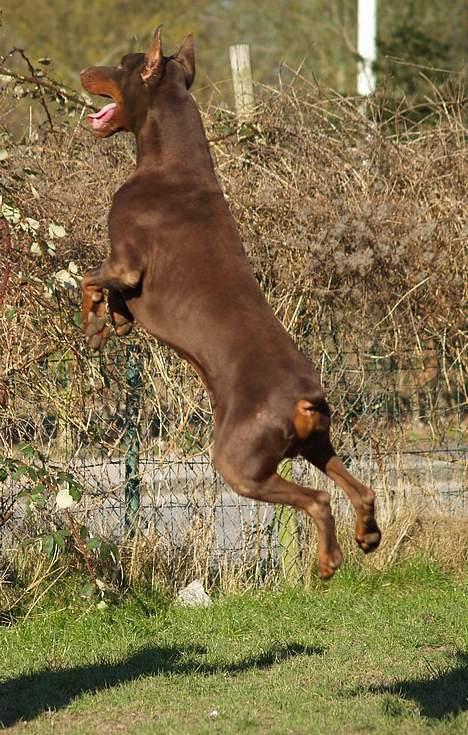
pixel 366 653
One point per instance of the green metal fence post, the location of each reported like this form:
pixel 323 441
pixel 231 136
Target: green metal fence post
pixel 288 533
pixel 132 437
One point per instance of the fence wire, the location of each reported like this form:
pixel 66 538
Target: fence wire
pixel 134 426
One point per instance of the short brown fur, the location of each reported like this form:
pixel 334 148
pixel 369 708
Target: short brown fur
pixel 177 266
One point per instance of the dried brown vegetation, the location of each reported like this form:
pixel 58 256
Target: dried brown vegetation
pixel 355 228
pixel 355 225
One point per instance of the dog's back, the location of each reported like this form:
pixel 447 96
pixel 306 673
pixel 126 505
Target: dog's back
pixel 177 266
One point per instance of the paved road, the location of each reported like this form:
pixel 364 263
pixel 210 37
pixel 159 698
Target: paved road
pixel 177 496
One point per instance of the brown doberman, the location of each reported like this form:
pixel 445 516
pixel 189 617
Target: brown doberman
pixel 177 266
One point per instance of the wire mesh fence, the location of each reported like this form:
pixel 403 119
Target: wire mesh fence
pixel 134 426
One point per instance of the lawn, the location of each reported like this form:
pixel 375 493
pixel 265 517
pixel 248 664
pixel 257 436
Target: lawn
pixel 366 653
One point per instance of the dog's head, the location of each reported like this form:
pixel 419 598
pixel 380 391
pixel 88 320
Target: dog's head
pixel 133 83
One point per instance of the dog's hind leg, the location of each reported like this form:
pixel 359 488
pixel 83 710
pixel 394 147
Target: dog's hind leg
pixel 320 453
pixel 275 489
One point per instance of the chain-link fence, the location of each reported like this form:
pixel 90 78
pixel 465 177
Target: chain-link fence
pixel 134 426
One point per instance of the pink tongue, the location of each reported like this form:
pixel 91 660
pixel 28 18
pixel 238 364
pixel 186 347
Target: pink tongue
pixel 97 120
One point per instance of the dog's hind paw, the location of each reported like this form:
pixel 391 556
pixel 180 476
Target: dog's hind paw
pixel 368 536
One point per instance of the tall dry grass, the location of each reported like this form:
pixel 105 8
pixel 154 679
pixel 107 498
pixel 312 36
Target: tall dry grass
pixel 355 225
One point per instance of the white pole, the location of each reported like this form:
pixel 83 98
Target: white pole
pixel 366 45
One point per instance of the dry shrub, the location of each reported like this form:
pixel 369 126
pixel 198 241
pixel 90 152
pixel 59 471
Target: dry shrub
pixel 157 560
pixel 365 222
pixel 354 225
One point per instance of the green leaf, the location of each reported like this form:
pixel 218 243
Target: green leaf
pixel 9 313
pixel 78 319
pixel 108 550
pixel 48 544
pixel 60 537
pixel 38 500
pixel 246 132
pixel 32 473
pixel 64 477
pixel 104 551
pixel 227 130
pixel 27 450
pixel 84 532
pixel 93 543
pixel 88 590
pixel 18 474
pixel 59 540
pixel 75 492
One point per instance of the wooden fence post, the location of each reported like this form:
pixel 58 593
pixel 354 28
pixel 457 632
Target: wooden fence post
pixel 288 533
pixel 242 81
pixel 285 517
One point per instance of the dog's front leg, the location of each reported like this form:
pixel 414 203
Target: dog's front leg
pixel 94 312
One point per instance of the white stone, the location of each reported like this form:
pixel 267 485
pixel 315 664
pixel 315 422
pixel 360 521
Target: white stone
pixel 194 595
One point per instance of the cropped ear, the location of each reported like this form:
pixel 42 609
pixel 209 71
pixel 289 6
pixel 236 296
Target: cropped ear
pixel 154 57
pixel 186 56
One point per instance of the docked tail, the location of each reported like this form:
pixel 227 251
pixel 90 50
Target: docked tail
pixel 310 417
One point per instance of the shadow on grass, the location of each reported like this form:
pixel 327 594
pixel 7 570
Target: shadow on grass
pixel 443 695
pixel 28 696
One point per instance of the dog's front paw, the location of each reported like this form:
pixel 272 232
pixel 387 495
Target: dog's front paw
pixel 95 318
pixel 121 317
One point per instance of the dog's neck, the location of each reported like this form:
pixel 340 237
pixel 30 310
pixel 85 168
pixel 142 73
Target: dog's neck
pixel 172 138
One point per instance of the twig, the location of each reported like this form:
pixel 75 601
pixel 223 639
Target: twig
pixel 402 298
pixel 34 79
pixel 41 83
pixel 81 546
pixel 6 275
pixel 53 86
pixel 401 62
